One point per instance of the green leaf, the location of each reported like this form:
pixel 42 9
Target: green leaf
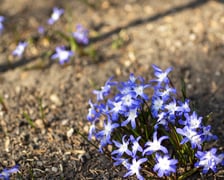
pixel 29 120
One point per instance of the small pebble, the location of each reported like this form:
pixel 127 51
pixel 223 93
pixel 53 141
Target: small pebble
pixel 55 99
pixel 39 123
pixel 39 163
pixel 54 169
pixel 70 132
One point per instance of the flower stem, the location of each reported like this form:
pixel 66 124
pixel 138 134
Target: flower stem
pixel 187 174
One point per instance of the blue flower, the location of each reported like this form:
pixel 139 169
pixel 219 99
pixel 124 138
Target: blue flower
pixel 119 160
pixel 19 49
pixel 56 14
pixel 107 128
pixel 131 115
pixel 122 147
pixel 161 75
pixel 209 160
pixel 162 119
pixel 191 135
pixel 105 90
pixel 92 114
pixel 139 91
pixel 105 135
pixel 185 106
pixel 207 135
pixel 102 109
pixel 192 121
pixel 165 92
pixel 135 145
pixel 164 166
pixel 128 85
pixel 116 108
pixel 129 100
pixel 2 19
pixel 157 105
pixel 135 167
pixel 172 108
pixel 81 35
pixel 92 130
pixel 155 145
pixel 5 174
pixel 62 54
pixel 132 79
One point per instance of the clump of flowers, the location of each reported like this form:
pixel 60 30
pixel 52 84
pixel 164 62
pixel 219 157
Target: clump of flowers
pixel 151 136
pixel 76 41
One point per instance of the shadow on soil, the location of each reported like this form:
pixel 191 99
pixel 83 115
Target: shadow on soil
pixel 156 17
pixel 137 22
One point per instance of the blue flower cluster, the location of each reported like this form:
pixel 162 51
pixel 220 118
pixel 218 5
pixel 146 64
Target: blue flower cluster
pixel 158 134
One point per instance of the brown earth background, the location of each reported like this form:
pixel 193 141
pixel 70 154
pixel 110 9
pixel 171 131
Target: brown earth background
pixel 126 36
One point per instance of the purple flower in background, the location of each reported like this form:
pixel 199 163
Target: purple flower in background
pixel 62 54
pixel 5 174
pixel 19 49
pixel 41 30
pixel 81 35
pixel 56 14
pixel 209 160
pixel 164 165
pixel 2 19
